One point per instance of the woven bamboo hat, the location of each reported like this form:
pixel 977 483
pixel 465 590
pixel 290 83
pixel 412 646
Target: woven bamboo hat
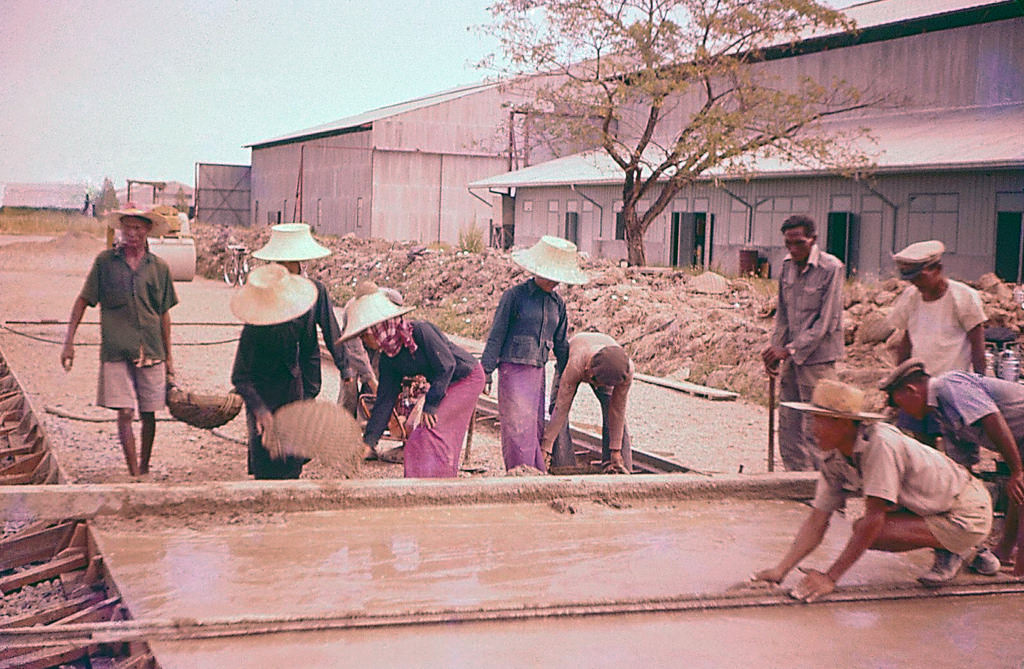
pixel 273 295
pixel 291 242
pixel 836 399
pixel 552 258
pixel 369 309
pixel 157 223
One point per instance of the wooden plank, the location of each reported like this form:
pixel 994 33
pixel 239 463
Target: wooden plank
pixel 16 479
pixel 142 661
pixel 14 452
pixel 18 552
pixel 688 388
pixel 43 659
pixel 52 613
pixel 97 612
pixel 26 463
pixel 43 572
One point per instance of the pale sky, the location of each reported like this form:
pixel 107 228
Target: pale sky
pixel 144 89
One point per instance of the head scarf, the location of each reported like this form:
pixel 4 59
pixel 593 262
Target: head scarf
pixel 394 334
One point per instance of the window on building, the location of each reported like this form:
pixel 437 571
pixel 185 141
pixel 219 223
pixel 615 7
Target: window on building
pixel 620 225
pixel 934 216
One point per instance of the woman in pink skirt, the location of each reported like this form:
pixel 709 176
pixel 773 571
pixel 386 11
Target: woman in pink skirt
pixel 408 348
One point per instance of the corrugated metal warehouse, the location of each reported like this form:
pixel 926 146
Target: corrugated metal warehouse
pixel 399 172
pixel 950 161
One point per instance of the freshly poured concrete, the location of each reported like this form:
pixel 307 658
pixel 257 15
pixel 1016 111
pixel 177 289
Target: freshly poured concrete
pixel 408 559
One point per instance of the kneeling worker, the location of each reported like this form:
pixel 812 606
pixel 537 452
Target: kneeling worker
pixel 916 497
pixel 596 359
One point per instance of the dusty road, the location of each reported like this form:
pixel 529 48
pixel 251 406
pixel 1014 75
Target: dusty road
pixel 40 277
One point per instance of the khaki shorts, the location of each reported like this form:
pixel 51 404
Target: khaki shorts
pixel 125 386
pixel 967 523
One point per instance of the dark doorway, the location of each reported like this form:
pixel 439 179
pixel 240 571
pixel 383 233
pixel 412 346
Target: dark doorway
pixel 843 238
pixel 1008 246
pixel 689 236
pixel 572 227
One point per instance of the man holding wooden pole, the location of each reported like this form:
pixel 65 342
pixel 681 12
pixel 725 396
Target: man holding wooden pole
pixel 808 336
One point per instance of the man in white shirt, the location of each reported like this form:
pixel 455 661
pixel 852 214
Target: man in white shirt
pixel 942 319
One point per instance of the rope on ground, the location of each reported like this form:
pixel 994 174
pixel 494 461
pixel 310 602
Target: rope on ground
pixel 90 419
pixel 752 597
pixel 61 343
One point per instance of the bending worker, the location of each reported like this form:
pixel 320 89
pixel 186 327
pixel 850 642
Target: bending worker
pixel 971 411
pixel 434 448
pixel 277 361
pixel 916 497
pixel 596 359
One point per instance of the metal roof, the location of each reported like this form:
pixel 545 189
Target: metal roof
pixel 367 118
pixel 871 14
pixel 906 141
pixel 881 12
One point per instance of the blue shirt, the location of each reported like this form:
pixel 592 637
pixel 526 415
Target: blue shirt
pixel 962 399
pixel 529 323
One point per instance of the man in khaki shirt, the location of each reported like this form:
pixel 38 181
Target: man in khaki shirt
pixel 915 496
pixel 808 335
pixel 596 359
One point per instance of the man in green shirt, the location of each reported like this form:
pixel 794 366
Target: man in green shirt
pixel 134 290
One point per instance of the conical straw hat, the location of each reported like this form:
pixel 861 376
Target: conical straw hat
pixel 273 295
pixel 836 399
pixel 291 242
pixel 158 224
pixel 552 258
pixel 367 310
pixel 310 429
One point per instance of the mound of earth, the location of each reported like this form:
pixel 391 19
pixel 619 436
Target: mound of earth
pixel 668 321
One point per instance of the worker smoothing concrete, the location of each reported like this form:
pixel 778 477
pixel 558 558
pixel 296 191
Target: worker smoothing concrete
pixel 916 497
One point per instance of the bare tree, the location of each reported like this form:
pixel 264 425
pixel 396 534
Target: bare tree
pixel 674 90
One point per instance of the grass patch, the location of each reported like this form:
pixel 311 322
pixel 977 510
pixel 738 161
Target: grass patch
pixel 26 221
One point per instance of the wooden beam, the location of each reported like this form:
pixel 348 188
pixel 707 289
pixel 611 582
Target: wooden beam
pixel 23 464
pixel 52 613
pixel 689 388
pixel 42 545
pixel 43 572
pixel 43 659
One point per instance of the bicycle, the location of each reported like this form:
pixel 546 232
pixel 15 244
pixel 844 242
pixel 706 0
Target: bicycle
pixel 236 265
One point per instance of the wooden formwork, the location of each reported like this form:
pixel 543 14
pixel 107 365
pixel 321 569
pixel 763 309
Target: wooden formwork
pixel 46 551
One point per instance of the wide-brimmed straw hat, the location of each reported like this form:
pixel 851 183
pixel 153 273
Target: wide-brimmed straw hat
pixel 273 295
pixel 369 309
pixel 291 242
pixel 552 258
pixel 157 223
pixel 835 399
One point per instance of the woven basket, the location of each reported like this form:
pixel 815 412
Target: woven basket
pixel 200 410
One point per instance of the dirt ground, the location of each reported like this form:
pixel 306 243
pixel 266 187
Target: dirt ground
pixel 41 276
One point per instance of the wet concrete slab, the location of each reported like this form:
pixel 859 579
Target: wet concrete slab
pixel 382 561
pixel 970 632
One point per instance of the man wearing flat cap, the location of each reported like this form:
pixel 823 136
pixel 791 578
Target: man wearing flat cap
pixel 915 497
pixel 942 319
pixel 971 411
pixel 596 359
pixel 808 335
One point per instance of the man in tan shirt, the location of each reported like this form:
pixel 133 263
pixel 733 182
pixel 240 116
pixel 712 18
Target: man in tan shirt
pixel 596 359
